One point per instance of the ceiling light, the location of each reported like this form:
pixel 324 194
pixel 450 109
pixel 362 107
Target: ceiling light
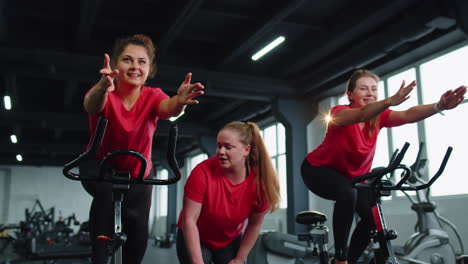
pixel 19 157
pixel 7 101
pixel 267 48
pixel 174 118
pixel 13 139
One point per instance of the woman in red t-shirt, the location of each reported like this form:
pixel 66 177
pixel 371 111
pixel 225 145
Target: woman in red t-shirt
pixel 222 192
pixel 132 110
pixel 348 149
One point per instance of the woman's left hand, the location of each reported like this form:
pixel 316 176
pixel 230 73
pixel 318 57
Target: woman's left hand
pixel 187 91
pixel 451 99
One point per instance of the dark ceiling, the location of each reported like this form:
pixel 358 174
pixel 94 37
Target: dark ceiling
pixel 51 51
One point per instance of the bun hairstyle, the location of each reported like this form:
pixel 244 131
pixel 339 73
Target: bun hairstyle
pixel 260 161
pixel 138 40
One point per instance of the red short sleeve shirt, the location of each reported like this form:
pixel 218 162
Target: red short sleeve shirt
pixel 225 206
pixel 348 149
pixel 129 129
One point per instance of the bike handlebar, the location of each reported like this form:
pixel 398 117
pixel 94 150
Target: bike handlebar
pixel 376 175
pixel 433 178
pixel 96 143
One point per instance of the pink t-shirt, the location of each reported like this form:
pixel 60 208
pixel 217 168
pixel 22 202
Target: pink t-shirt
pixel 225 206
pixel 348 149
pixel 129 129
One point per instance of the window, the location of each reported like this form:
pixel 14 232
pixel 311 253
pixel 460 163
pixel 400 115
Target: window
pixel 437 76
pixel 409 132
pixel 194 160
pixel 275 141
pixel 161 194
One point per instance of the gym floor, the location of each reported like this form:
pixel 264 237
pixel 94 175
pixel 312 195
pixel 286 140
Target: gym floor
pixel 155 255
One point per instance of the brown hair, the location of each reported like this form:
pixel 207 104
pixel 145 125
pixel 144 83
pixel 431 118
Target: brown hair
pixel 352 84
pixel 259 159
pixel 138 40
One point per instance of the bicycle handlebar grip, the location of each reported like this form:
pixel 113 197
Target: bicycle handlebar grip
pixel 72 164
pixel 97 140
pixel 441 168
pixel 98 135
pixel 394 164
pixel 171 158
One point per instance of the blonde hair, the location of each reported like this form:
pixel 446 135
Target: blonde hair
pixel 352 84
pixel 266 178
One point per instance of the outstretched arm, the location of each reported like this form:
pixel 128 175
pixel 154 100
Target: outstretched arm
pixel 369 111
pixel 95 100
pixel 249 238
pixel 190 230
pixel 448 100
pixel 185 95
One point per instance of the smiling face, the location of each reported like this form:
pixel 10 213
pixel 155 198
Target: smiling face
pixel 133 65
pixel 364 92
pixel 231 152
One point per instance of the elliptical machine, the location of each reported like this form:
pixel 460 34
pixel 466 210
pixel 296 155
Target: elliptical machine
pixel 121 181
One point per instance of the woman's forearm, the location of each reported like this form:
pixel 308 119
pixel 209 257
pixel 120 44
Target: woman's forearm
pixel 171 107
pixel 248 241
pixel 372 110
pixel 419 112
pixel 358 115
pixel 192 241
pixel 95 100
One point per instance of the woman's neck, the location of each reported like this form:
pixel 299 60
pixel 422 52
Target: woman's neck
pixel 128 94
pixel 236 175
pixel 355 105
pixel 125 90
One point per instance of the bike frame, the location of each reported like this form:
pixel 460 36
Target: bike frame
pixel 385 252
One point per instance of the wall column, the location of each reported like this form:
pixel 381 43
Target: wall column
pixel 295 115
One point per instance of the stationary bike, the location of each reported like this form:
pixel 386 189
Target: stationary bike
pixel 121 181
pixel 274 247
pixel 317 235
pixel 382 187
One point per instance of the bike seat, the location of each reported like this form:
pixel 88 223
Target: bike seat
pixel 310 218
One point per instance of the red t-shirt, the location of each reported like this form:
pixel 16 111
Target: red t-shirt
pixel 132 129
pixel 225 206
pixel 348 149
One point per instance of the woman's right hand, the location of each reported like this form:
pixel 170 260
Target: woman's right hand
pixel 452 99
pixel 108 75
pixel 402 94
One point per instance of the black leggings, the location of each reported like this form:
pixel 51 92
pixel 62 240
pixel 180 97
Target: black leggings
pixel 222 256
pixel 135 213
pixel 329 184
